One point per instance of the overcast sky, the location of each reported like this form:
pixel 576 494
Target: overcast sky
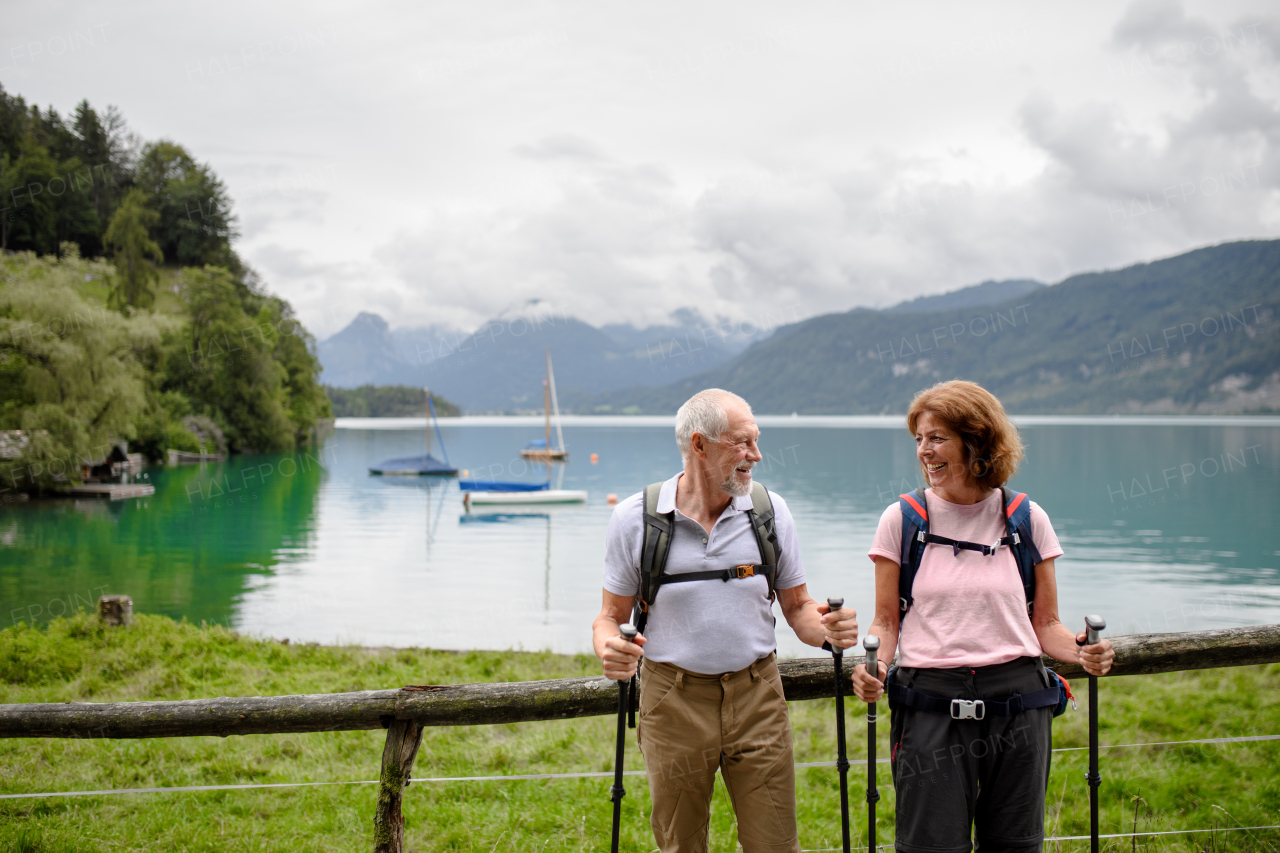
pixel 442 163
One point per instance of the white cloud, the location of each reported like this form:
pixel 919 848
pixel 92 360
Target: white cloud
pixel 442 164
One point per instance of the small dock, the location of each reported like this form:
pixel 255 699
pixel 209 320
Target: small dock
pixel 111 491
pixel 186 457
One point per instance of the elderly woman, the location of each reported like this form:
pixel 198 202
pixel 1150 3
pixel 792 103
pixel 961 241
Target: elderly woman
pixel 971 702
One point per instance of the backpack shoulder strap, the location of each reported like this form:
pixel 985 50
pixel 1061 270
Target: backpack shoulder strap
pixel 1017 514
pixel 915 523
pixel 762 525
pixel 653 557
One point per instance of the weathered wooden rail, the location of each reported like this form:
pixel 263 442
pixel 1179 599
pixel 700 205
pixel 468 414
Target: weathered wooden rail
pixel 406 711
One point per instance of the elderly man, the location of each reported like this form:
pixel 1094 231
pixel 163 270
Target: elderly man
pixel 703 555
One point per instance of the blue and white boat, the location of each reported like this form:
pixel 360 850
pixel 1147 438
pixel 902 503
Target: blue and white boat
pixel 516 492
pixel 505 492
pixel 420 465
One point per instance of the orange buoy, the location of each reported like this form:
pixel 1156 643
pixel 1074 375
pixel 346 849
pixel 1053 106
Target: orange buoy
pixel 466 473
pixel 611 499
pixel 595 457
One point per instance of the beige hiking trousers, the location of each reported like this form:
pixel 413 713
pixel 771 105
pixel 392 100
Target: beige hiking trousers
pixel 690 724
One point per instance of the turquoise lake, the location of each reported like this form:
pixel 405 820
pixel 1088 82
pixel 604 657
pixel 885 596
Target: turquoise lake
pixel 1167 526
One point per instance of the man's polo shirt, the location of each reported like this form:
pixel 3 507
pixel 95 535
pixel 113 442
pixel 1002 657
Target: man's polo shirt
pixel 703 626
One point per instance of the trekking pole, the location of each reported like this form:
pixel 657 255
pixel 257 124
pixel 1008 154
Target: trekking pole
pixel 872 645
pixel 1093 625
pixel 617 792
pixel 842 761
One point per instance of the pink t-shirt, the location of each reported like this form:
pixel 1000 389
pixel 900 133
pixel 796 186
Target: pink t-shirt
pixel 968 610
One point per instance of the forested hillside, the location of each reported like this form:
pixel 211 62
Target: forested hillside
pixel 125 313
pixel 387 401
pixel 1193 333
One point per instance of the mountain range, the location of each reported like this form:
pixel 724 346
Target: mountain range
pixel 500 366
pixel 1192 333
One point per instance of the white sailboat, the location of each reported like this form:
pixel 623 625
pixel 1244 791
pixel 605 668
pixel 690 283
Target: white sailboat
pixel 542 449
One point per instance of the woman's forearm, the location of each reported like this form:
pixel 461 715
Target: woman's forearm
pixel 1058 642
pixel 888 634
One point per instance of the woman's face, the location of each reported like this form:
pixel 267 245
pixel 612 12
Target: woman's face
pixel 941 452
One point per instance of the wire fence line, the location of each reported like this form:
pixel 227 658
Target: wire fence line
pixel 1089 837
pixel 588 775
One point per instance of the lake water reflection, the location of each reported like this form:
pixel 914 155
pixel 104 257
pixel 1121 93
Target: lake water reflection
pixel 1165 527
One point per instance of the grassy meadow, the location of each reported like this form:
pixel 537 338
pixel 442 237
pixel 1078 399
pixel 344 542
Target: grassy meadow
pixel 75 659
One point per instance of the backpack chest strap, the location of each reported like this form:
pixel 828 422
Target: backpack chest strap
pixel 746 570
pixel 958 546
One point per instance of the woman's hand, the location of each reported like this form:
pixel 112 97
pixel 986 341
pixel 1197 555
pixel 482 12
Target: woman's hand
pixel 865 687
pixel 1097 658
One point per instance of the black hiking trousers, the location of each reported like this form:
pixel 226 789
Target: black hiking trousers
pixel 980 779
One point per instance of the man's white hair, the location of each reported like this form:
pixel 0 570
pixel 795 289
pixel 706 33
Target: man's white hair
pixel 704 413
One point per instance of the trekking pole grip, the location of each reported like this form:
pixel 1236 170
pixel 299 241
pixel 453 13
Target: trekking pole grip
pixel 629 632
pixel 834 604
pixel 872 645
pixel 1093 626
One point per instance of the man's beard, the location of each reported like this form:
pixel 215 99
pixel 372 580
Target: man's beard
pixel 734 487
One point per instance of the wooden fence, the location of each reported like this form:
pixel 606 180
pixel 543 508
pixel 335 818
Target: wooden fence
pixel 406 711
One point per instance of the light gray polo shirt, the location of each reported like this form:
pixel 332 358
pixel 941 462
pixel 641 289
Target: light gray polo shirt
pixel 710 626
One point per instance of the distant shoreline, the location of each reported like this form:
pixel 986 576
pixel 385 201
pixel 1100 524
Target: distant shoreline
pixel 819 421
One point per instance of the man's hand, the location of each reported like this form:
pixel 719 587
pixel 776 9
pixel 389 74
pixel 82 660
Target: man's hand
pixel 840 627
pixel 620 657
pixel 1097 658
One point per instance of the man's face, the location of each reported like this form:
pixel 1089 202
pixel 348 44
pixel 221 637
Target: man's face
pixel 730 458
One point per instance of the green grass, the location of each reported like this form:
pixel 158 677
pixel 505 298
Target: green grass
pixel 76 660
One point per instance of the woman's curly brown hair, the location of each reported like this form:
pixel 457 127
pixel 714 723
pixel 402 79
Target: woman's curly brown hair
pixel 992 446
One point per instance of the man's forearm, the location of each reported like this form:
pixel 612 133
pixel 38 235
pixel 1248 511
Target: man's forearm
pixel 806 621
pixel 601 630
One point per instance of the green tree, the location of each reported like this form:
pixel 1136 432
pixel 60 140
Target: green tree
pixel 223 361
pixel 128 236
pixel 295 350
pixel 104 145
pixel 196 224
pixel 32 208
pixel 8 182
pixel 75 371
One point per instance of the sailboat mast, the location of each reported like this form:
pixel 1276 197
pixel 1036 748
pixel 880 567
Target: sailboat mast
pixel 546 400
pixel 555 404
pixel 427 412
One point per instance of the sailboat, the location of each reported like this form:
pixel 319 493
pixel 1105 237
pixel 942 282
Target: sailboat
pixel 501 492
pixel 418 465
pixel 541 448
pixel 498 492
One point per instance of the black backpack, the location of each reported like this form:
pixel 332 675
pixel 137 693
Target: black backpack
pixel 657 544
pixel 916 537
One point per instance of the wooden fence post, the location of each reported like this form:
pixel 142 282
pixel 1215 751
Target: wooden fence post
pixel 403 738
pixel 115 609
